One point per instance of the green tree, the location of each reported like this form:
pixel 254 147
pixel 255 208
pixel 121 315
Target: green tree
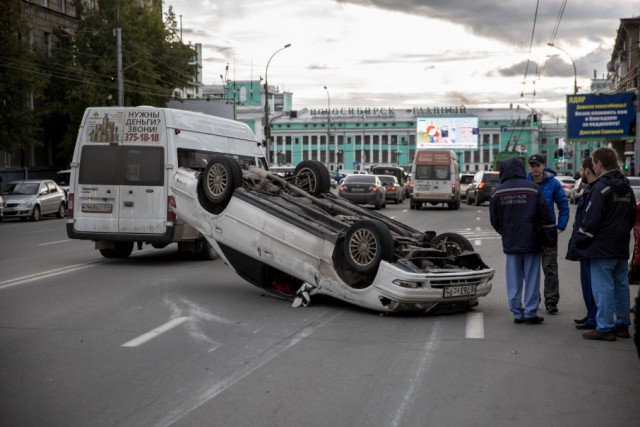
pixel 84 65
pixel 21 81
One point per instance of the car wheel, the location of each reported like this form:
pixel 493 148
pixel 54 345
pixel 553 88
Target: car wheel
pixel 122 250
pixel 221 177
pixel 453 244
pixel 312 176
pixel 468 198
pixel 366 244
pixel 476 201
pixel 207 252
pixel 61 209
pixel 377 205
pixel 35 215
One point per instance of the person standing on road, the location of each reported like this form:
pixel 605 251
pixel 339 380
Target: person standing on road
pixel 603 237
pixel 519 213
pixel 588 176
pixel 554 195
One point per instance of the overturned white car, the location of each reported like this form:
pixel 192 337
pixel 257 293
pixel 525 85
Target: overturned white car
pixel 294 239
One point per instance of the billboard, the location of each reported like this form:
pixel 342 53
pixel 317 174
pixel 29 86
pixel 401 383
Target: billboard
pixel 598 116
pixel 451 133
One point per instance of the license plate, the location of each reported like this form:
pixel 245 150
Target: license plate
pixel 97 207
pixel 459 291
pixel 358 190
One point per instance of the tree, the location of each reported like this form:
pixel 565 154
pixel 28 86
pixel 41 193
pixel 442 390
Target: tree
pixel 84 65
pixel 21 81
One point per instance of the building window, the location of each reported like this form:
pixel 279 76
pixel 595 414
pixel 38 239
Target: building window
pixel 63 6
pixel 47 44
pixel 45 3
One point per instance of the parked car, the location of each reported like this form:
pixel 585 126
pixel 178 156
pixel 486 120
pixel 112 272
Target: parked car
pixel 32 199
pixel 364 190
pixel 295 239
pixel 576 191
pixel 1 208
pixel 479 190
pixel 567 183
pixel 394 190
pixel 62 179
pixel 465 180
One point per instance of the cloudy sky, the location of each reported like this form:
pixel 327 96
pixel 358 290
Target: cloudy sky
pixel 406 53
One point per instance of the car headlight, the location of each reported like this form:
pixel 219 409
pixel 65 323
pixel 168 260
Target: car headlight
pixel 26 205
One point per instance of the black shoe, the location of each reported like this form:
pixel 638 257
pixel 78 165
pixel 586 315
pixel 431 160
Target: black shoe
pixel 622 331
pixel 585 326
pixel 581 321
pixel 610 335
pixel 533 320
pixel 551 309
pixel 518 320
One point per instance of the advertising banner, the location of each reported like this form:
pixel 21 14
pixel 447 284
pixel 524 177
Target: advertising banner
pixel 451 133
pixel 600 116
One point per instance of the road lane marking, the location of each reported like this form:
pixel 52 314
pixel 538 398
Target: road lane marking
pixel 218 387
pixel 155 332
pixel 426 357
pixel 46 274
pixel 53 243
pixel 475 326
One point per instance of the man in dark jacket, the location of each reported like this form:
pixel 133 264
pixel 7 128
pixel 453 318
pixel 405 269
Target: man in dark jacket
pixel 603 237
pixel 519 213
pixel 589 177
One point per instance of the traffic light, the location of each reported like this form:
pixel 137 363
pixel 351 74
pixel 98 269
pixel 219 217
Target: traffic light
pixel 561 154
pixel 555 155
pixel 534 120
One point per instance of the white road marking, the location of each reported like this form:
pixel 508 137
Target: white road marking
pixel 155 332
pixel 53 243
pixel 420 372
pixel 475 326
pixel 220 386
pixel 46 274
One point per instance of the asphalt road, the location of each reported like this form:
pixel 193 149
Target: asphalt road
pixel 157 340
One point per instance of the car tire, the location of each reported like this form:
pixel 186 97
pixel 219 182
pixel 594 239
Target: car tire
pixel 221 178
pixel 454 244
pixel 477 201
pixel 122 250
pixel 312 176
pixel 61 211
pixel 36 215
pixel 366 244
pixel 377 205
pixel 468 198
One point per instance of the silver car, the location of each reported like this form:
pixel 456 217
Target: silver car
pixel 294 239
pixel 32 199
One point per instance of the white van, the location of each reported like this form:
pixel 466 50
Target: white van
pixel 436 179
pixel 122 165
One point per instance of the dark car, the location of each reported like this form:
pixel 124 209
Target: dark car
pixel 479 190
pixel 395 191
pixel 364 190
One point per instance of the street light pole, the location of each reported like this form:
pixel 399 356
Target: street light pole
pixel 575 74
pixel 267 125
pixel 328 123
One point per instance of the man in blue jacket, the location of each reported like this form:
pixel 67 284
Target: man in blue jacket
pixel 519 213
pixel 603 237
pixel 554 195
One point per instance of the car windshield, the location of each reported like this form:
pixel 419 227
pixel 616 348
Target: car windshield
pixel 361 178
pixel 387 180
pixel 465 179
pixel 22 188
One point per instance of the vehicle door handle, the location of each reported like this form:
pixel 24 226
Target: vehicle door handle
pixel 128 204
pixel 149 190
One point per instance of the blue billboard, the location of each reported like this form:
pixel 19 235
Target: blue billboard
pixel 599 116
